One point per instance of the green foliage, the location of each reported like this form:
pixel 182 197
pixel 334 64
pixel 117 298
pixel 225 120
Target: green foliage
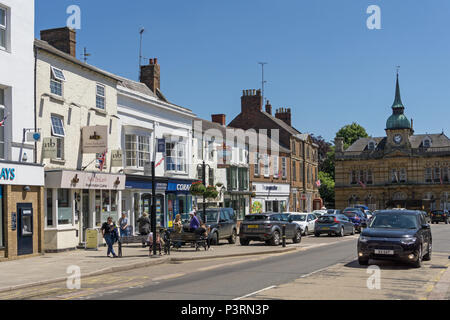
pixel 351 133
pixel 197 189
pixel 326 188
pixel 211 192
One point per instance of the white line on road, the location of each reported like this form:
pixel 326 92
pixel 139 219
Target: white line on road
pixel 253 293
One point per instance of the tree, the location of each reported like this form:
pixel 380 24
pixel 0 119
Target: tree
pixel 351 133
pixel 324 148
pixel 326 188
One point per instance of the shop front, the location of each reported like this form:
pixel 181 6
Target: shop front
pixel 270 197
pixel 21 210
pixel 239 201
pixel 179 199
pixel 137 199
pixel 77 201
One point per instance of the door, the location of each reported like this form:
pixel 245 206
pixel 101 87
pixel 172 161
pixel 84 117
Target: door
pixel 311 222
pixel 85 214
pixel 24 228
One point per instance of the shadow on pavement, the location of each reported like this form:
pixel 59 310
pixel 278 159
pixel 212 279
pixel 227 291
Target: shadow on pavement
pixel 382 264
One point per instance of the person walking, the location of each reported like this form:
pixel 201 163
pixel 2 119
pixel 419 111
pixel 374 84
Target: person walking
pixel 144 224
pixel 123 224
pixel 178 228
pixel 108 235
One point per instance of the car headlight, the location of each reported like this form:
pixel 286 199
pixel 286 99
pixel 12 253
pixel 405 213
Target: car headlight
pixel 409 240
pixel 363 238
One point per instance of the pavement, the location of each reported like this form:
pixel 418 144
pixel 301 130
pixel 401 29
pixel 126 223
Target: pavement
pixel 53 267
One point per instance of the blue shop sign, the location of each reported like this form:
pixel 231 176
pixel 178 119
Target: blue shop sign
pixel 139 184
pixel 179 186
pixel 8 174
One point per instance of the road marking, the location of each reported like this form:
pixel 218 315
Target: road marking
pixel 169 276
pixel 253 293
pixel 311 273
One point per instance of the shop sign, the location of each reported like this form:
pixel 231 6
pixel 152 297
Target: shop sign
pixel 8 174
pixel 49 148
pixel 270 188
pixel 30 175
pixel 116 158
pixel 84 180
pixel 162 145
pixel 95 139
pixel 182 187
pixel 91 239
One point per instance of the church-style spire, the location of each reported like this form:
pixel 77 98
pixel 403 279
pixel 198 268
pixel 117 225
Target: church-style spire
pixel 398 99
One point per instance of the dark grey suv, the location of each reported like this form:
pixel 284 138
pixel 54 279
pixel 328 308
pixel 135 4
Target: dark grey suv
pixel 267 227
pixel 221 223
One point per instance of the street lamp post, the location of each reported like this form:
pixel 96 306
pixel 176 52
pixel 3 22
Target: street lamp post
pixel 204 165
pixel 153 222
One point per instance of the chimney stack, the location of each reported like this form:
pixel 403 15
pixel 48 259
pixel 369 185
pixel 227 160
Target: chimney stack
pixel 63 39
pixel 151 75
pixel 284 114
pixel 251 101
pixel 268 107
pixel 219 118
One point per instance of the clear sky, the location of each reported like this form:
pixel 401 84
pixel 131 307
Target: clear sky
pixel 324 63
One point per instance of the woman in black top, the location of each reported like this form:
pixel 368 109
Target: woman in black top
pixel 108 233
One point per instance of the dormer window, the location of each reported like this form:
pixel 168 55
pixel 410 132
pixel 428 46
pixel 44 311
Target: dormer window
pixel 426 142
pixel 371 145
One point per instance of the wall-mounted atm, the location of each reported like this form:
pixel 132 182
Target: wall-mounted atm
pixel 24 228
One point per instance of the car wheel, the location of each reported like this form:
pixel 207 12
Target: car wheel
pixel 244 242
pixel 418 262
pixel 363 262
pixel 232 239
pixel 275 241
pixel 298 237
pixel 215 239
pixel 341 234
pixel 427 257
pixel 316 234
pixel 305 233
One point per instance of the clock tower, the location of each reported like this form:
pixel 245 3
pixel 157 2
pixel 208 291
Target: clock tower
pixel 398 127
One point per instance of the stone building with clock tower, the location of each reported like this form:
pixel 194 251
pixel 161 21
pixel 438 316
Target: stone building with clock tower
pixel 400 170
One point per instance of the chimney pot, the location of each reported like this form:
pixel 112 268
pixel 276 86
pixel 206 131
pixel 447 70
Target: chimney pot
pixel 151 61
pixel 219 118
pixel 156 60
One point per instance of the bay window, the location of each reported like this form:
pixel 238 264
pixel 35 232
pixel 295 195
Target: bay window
pixel 137 150
pixel 176 155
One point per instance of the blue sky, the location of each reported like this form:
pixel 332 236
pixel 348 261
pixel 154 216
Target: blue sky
pixel 324 63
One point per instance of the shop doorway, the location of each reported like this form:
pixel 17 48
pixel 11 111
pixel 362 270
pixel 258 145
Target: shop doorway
pixel 85 213
pixel 24 228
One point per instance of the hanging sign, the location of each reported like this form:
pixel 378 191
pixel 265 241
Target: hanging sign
pixel 116 158
pixel 95 139
pixel 50 148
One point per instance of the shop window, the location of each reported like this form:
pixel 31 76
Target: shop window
pixel 49 212
pixel 2 240
pixel 105 206
pixel 65 215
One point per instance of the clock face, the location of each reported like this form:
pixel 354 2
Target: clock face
pixel 398 138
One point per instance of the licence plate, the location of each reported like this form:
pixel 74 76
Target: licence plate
pixel 325 228
pixel 252 227
pixel 385 252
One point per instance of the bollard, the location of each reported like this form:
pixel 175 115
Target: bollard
pixel 284 235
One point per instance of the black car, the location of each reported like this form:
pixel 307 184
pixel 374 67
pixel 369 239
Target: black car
pixel 268 227
pixel 439 216
pixel 396 235
pixel 221 223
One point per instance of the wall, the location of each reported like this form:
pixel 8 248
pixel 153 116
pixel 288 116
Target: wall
pixel 17 65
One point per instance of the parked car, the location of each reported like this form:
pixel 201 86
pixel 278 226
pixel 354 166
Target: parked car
pixel 306 221
pixel 319 213
pixel 337 224
pixel 221 223
pixel 267 227
pixel 356 216
pixel 333 211
pixel 396 235
pixel 439 216
pixel 426 216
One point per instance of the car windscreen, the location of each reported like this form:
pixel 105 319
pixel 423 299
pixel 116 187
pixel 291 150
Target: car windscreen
pixel 256 217
pixel 349 214
pixel 325 219
pixel 394 221
pixel 211 215
pixel 298 217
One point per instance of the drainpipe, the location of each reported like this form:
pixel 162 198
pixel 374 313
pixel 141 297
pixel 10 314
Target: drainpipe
pixel 35 104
